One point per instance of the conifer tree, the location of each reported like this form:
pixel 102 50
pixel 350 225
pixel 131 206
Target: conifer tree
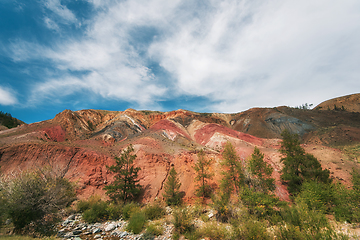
pixel 298 165
pixel 126 186
pixel 234 175
pixel 262 170
pixel 172 194
pixel 203 175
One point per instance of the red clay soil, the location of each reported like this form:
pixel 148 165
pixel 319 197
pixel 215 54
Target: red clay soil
pixel 55 133
pixel 168 125
pixel 203 135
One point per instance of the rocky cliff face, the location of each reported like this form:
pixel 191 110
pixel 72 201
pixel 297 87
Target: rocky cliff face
pixel 79 145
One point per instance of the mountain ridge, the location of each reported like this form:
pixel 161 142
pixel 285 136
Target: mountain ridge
pixel 82 143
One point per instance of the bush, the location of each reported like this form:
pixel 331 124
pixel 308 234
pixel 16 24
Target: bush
pixel 96 213
pixel 136 222
pixel 83 205
pixel 260 204
pixel 346 205
pixel 317 195
pixel 253 229
pixel 302 223
pixel 214 231
pixel 221 203
pixel 34 199
pixel 183 220
pixel 154 229
pixel 129 209
pixel 114 211
pixel 154 211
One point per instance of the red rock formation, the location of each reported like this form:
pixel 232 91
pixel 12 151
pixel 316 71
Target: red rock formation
pixel 73 143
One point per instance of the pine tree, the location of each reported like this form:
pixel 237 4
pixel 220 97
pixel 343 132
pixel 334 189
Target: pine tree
pixel 299 166
pixel 262 170
pixel 203 175
pixel 234 175
pixel 126 186
pixel 172 194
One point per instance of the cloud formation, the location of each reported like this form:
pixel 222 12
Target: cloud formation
pixel 60 10
pixel 7 96
pixel 238 54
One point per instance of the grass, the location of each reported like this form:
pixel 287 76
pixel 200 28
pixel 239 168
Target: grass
pixel 353 152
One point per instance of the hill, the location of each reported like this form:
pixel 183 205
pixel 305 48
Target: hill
pixel 80 144
pixel 350 103
pixel 7 121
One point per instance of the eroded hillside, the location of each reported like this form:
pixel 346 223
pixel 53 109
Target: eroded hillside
pixel 80 144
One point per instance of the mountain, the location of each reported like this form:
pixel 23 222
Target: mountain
pixel 79 145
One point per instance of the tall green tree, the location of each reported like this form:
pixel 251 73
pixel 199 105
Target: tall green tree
pixel 126 185
pixel 202 168
pixel 233 175
pixel 262 170
pixel 172 192
pixel 298 165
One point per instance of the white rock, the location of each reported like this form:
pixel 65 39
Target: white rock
pixel 110 227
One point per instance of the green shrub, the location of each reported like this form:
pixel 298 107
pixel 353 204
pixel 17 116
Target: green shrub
pixel 347 201
pixel 302 223
pixel 114 211
pixel 317 195
pixel 34 199
pixel 136 222
pixel 154 211
pixel 95 209
pixel 129 209
pixel 154 229
pixel 215 231
pixel 221 203
pixel 261 204
pixel 96 213
pixel 183 220
pixel 83 205
pixel 252 229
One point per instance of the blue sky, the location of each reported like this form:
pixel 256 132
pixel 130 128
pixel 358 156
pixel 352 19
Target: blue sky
pixel 204 56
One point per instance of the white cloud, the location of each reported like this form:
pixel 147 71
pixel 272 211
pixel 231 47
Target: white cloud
pixel 250 52
pixel 51 24
pixel 238 53
pixel 7 96
pixel 60 10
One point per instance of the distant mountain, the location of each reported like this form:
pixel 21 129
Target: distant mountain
pixel 80 144
pixel 350 103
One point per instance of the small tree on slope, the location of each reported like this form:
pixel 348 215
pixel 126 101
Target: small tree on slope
pixel 233 175
pixel 203 175
pixel 262 170
pixel 126 186
pixel 299 166
pixel 172 194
